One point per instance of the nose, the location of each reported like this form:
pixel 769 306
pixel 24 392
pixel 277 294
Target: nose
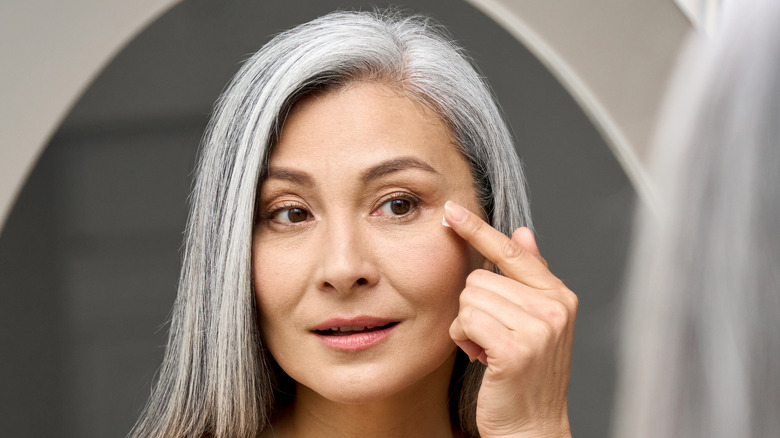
pixel 346 260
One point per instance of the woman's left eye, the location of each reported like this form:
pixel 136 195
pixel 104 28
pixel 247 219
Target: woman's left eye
pixel 292 215
pixel 396 207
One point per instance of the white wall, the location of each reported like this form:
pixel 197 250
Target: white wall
pixel 50 51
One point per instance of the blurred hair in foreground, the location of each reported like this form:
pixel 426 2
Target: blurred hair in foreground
pixel 701 330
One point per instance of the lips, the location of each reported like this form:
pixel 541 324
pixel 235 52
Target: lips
pixel 352 330
pixel 353 323
pixel 354 334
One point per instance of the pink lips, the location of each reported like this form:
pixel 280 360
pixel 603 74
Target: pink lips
pixel 354 334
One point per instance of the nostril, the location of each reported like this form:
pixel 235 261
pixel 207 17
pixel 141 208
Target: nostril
pixel 361 281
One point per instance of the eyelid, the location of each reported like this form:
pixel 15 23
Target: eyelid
pixel 276 208
pixel 415 200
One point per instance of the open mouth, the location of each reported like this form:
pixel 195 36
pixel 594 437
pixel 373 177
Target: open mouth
pixel 352 330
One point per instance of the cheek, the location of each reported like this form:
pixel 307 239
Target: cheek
pixel 274 268
pixel 429 270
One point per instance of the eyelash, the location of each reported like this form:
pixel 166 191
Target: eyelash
pixel 413 209
pixel 285 206
pixel 414 202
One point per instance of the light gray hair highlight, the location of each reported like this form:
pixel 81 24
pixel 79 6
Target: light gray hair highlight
pixel 216 376
pixel 700 350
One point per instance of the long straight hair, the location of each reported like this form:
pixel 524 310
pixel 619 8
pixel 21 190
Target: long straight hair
pixel 700 352
pixel 217 377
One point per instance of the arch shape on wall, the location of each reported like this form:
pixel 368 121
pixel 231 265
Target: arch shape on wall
pixel 612 57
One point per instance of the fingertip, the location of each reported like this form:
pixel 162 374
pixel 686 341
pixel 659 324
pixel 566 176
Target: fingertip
pixel 454 213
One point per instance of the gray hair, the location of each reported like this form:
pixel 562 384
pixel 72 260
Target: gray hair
pixel 217 377
pixel 701 332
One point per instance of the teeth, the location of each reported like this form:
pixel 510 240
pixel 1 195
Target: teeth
pixel 354 328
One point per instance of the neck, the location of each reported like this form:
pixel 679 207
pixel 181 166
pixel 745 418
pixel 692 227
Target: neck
pixel 418 411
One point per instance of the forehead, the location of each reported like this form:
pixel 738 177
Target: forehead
pixel 363 121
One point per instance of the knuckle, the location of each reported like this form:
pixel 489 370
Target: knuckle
pixel 543 332
pixel 465 298
pixel 572 301
pixel 467 315
pixel 557 314
pixel 454 329
pixel 511 250
pixel 478 276
pixel 474 226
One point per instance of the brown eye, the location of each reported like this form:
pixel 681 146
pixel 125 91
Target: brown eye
pixel 396 207
pixel 291 215
pixel 297 215
pixel 400 206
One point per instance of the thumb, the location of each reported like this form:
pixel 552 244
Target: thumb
pixel 525 238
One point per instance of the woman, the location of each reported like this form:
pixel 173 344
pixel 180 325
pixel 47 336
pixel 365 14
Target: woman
pixel 320 294
pixel 700 349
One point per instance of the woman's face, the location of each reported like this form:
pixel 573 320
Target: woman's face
pixel 350 238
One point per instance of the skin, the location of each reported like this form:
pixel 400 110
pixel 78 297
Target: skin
pixel 521 325
pixel 350 224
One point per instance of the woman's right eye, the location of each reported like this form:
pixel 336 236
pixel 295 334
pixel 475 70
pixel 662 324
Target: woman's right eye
pixel 292 215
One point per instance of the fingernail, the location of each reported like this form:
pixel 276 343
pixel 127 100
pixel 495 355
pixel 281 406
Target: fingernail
pixel 457 212
pixel 444 221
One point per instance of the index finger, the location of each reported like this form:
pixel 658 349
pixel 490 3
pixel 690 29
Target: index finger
pixel 514 261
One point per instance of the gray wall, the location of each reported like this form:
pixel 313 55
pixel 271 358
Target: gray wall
pixel 90 254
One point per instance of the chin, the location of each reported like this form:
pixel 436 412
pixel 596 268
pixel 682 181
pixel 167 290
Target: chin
pixel 361 384
pixel 357 393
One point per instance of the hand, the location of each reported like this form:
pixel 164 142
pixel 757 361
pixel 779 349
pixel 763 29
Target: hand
pixel 521 326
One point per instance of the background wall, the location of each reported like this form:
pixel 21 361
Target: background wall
pixel 613 56
pixel 90 254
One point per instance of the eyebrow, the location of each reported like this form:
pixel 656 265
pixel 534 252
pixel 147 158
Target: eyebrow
pixel 293 176
pixel 371 174
pixel 395 165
